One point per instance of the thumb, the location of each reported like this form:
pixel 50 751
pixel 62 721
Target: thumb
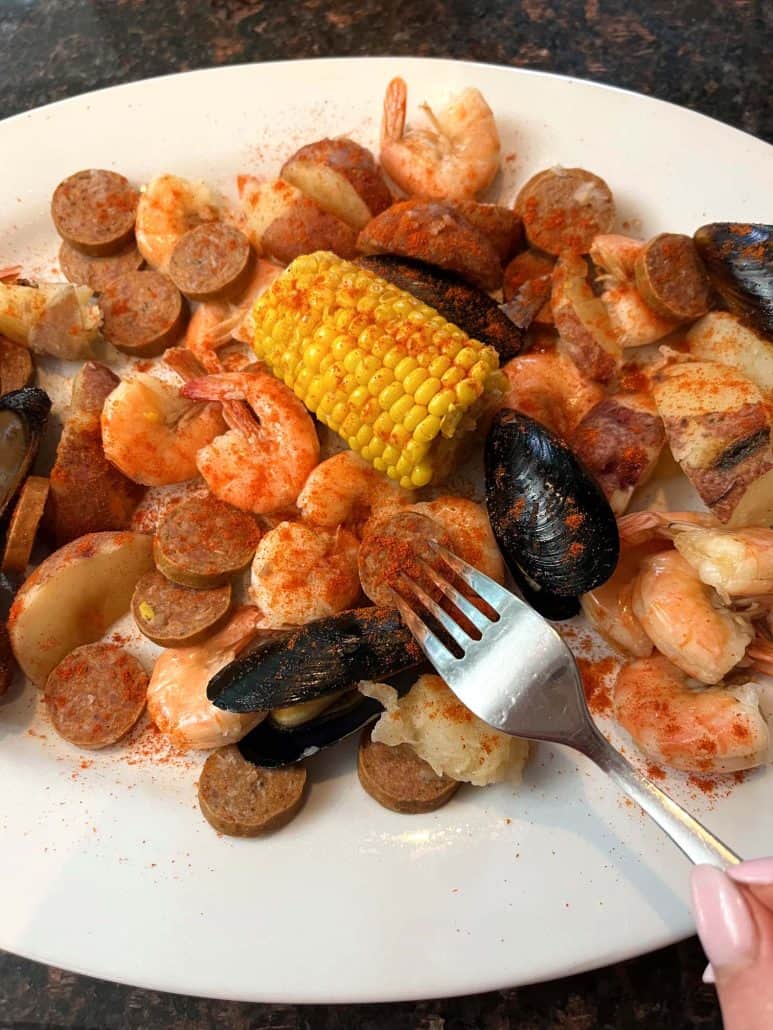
pixel 736 931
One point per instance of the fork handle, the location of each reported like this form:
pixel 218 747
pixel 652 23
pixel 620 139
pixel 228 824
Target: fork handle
pixel 697 843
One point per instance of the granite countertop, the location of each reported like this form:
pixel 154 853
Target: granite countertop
pixel 709 55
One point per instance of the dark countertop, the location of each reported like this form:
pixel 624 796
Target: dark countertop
pixel 710 55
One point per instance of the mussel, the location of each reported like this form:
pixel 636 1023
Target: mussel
pixel 23 417
pixel 739 259
pixel 324 656
pixel 551 519
pixel 469 308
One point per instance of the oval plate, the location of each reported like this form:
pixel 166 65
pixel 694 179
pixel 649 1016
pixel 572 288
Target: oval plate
pixel 106 866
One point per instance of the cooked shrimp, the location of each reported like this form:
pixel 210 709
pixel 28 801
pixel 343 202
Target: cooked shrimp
pixel 177 692
pixel 301 573
pixel 469 530
pixel 609 608
pixel 761 654
pixel 455 160
pixel 736 562
pixel 549 386
pixel 153 434
pixel 638 526
pixel 685 619
pixel 715 730
pixel 346 490
pixel 168 207
pixel 261 465
pixel 634 322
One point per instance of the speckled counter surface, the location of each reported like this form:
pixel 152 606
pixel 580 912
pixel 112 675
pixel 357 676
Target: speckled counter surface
pixel 710 55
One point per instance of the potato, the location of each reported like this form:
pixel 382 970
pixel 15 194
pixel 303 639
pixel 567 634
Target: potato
pixel 342 177
pixel 582 321
pixel 74 596
pixel 501 226
pixel 283 223
pixel 720 336
pixel 718 430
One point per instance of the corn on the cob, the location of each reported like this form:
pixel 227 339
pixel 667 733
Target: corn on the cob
pixel 399 383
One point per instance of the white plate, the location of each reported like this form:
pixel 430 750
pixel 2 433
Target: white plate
pixel 110 870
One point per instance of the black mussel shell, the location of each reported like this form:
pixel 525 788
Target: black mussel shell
pixel 271 746
pixel 469 308
pixel 23 416
pixel 319 658
pixel 739 259
pixel 550 518
pixel 550 606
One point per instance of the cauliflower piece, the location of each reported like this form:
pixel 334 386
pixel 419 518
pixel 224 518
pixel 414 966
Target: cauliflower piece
pixel 446 734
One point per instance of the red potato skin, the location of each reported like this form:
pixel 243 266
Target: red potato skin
pixel 501 226
pixel 305 229
pixel 355 163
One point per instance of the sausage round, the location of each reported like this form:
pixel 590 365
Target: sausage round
pixel 564 208
pixel 95 210
pixel 204 542
pixel 144 312
pixel 211 261
pixel 396 545
pixel 171 615
pixel 96 272
pixel 245 800
pixel 95 695
pixel 399 780
pixel 671 279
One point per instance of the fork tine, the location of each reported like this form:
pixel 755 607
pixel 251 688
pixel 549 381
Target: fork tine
pixel 474 615
pixel 431 645
pixel 452 628
pixel 485 587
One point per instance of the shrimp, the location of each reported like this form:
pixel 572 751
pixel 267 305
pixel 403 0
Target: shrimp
pixel 548 386
pixel 168 207
pixel 258 466
pixel 639 526
pixel 761 654
pixel 470 532
pixel 301 573
pixel 455 160
pixel 736 562
pixel 714 730
pixel 153 434
pixel 177 692
pixel 685 621
pixel 635 323
pixel 346 490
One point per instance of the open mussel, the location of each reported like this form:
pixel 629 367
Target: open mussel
pixel 23 416
pixel 551 519
pixel 739 259
pixel 321 657
pixel 469 308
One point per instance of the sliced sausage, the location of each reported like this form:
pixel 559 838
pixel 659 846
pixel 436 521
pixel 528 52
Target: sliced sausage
pixel 501 226
pixel 95 695
pixel 15 366
pixel 95 210
pixel 144 312
pixel 7 661
pixel 245 800
pixel 399 780
pixel 211 261
pixel 204 542
pixel 96 272
pixel 394 545
pixel 24 524
pixel 671 278
pixel 171 615
pixel 564 208
pixel 469 308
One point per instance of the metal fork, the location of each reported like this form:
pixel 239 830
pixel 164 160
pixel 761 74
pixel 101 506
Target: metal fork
pixel 522 679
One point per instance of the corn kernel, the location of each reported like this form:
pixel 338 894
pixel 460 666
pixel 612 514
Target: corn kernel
pixel 453 376
pixel 467 357
pixel 313 393
pixel 400 407
pixel 413 380
pixel 303 381
pixel 358 396
pixel 427 429
pixel 414 416
pixel 399 436
pixel 366 368
pixel 341 346
pixel 427 391
pixel 390 454
pixel 479 371
pixel 393 357
pixel 367 304
pixel 403 466
pixel 350 424
pixel 352 359
pixel 404 367
pixel 376 445
pixel 390 394
pixel 441 403
pixel 368 337
pixel 415 450
pixel 338 414
pixel 364 433
pixel 467 392
pixel 312 355
pixel 381 377
pixel 379 464
pixel 342 318
pixel 422 474
pixel 383 425
pixel 439 365
pixel 324 336
pixel 381 347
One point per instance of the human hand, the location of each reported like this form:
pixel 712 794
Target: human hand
pixel 734 918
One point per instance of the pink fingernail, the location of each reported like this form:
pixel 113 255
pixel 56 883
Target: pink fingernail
pixel 708 975
pixel 755 871
pixel 725 925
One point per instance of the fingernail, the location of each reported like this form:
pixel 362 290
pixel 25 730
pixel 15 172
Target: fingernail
pixel 755 871
pixel 708 975
pixel 725 925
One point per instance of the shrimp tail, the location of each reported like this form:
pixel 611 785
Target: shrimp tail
pixel 393 120
pixel 211 388
pixel 761 654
